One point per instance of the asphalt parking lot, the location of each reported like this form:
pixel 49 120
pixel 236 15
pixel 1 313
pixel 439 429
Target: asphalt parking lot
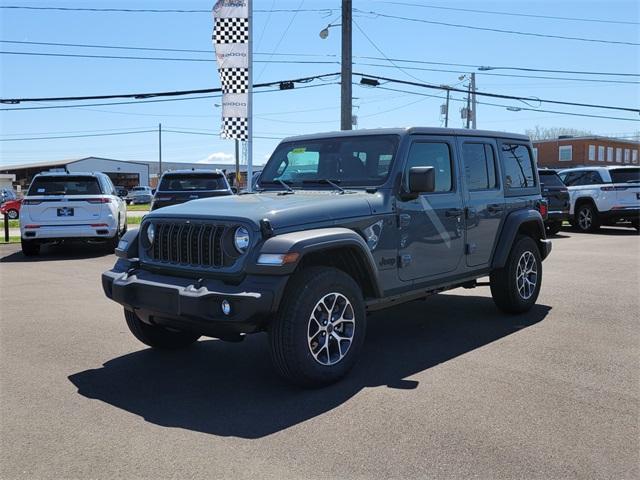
pixel 446 388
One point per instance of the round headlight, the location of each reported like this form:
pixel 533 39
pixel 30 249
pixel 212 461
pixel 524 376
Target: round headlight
pixel 241 239
pixel 151 233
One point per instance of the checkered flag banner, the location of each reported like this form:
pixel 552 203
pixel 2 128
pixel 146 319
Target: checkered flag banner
pixel 234 80
pixel 235 127
pixel 231 43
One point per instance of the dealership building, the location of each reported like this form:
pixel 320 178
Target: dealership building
pixel 122 173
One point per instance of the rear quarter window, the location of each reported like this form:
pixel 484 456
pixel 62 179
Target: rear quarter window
pixel 625 175
pixel 518 168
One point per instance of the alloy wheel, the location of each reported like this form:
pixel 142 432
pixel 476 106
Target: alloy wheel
pixel 527 275
pixel 585 218
pixel 331 328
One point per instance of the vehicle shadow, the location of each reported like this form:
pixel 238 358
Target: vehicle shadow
pixel 607 230
pixel 57 252
pixel 231 390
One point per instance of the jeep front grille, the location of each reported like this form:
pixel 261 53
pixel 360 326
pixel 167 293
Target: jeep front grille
pixel 194 244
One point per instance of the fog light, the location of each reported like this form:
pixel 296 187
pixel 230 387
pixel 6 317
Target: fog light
pixel 226 307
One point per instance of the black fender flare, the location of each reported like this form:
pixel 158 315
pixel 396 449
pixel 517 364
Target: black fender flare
pixel 130 243
pixel 512 224
pixel 316 240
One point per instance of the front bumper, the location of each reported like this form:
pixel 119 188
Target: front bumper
pixel 195 305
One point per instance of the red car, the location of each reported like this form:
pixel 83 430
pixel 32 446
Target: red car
pixel 11 208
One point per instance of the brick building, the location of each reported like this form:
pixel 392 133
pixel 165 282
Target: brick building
pixel 567 152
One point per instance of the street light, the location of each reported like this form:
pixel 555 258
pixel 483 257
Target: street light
pixel 324 33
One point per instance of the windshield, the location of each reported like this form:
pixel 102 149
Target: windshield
pixel 550 179
pixel 192 182
pixel 64 185
pixel 352 161
pixel 625 175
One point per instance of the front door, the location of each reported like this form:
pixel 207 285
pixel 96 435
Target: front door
pixel 484 198
pixel 432 225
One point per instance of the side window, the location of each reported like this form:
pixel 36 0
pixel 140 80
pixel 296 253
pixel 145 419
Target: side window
pixel 103 185
pixel 479 166
pixel 518 167
pixel 436 155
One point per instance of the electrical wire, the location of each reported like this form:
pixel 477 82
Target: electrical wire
pixel 495 30
pixel 77 136
pixel 497 95
pixel 326 11
pixel 512 14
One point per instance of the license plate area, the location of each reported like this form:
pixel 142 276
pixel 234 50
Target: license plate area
pixel 66 212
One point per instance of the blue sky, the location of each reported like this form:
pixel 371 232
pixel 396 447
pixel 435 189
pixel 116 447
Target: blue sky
pixel 279 114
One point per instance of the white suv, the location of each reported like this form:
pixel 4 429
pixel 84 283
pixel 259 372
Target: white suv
pixel 603 196
pixel 62 206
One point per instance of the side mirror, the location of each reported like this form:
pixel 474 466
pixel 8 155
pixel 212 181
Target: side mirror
pixel 422 180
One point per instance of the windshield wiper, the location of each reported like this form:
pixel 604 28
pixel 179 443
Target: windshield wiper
pixel 277 181
pixel 326 181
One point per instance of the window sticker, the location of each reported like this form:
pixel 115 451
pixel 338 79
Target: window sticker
pixel 41 190
pixel 299 150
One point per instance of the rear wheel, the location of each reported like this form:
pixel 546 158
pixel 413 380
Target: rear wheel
pixel 13 214
pixel 317 335
pixel 30 248
pixel 516 286
pixel 112 244
pixel 586 218
pixel 156 336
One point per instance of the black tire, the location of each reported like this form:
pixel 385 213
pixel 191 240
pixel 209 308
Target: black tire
pixel 504 281
pixel 291 347
pixel 586 218
pixel 553 228
pixel 13 214
pixel 156 336
pixel 30 248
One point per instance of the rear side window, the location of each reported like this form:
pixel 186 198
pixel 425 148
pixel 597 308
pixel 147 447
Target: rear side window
pixel 518 166
pixel 625 175
pixel 479 166
pixel 586 177
pixel 437 155
pixel 192 182
pixel 65 185
pixel 550 179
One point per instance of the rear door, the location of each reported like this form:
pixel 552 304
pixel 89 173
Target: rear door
pixel 432 225
pixel 64 199
pixel 484 198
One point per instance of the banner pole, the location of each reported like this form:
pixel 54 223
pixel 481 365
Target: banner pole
pixel 250 101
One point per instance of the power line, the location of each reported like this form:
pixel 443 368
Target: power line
pixel 542 77
pixel 138 102
pixel 77 136
pixel 153 49
pixel 493 12
pixel 165 59
pixel 495 30
pixel 497 95
pixel 328 11
pixel 159 94
pixel 573 114
pixel 325 55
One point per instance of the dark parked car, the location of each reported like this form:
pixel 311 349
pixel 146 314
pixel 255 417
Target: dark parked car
pixel 342 224
pixel 179 186
pixel 555 192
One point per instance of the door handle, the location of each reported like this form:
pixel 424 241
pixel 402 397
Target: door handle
pixel 495 208
pixel 453 212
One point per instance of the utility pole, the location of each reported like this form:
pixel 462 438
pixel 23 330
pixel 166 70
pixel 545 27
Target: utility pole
pixel 473 101
pixel 346 68
pixel 468 119
pixel 446 113
pixel 159 151
pixel 237 180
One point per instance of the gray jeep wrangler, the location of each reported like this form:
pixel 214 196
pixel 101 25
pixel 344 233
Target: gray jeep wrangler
pixel 341 224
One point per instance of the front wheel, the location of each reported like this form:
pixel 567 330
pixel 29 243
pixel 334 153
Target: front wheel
pixel 156 336
pixel 516 286
pixel 317 335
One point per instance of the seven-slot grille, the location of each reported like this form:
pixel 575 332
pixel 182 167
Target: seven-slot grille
pixel 195 244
